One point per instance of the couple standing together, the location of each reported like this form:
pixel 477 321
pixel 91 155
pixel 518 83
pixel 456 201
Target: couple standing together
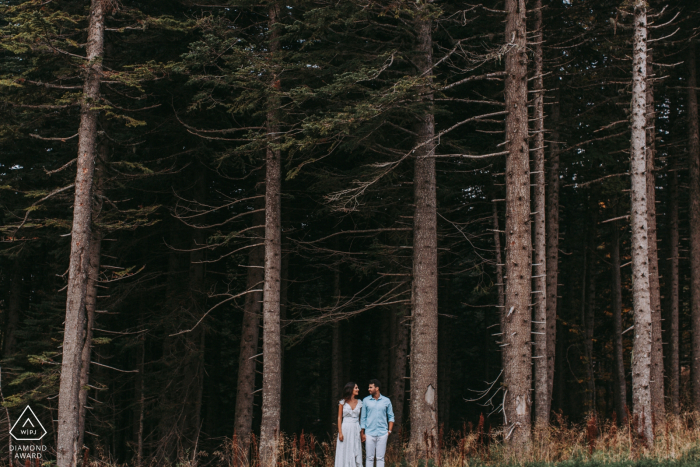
pixel 368 421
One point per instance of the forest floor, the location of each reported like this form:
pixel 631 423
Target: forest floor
pixel 563 444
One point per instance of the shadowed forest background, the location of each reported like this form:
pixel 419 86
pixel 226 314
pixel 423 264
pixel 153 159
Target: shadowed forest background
pixel 185 109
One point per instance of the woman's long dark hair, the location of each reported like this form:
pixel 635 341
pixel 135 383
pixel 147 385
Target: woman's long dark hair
pixel 348 390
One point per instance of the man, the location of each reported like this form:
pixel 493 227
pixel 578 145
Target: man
pixel 378 421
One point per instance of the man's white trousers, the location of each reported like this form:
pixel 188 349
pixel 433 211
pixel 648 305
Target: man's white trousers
pixel 375 448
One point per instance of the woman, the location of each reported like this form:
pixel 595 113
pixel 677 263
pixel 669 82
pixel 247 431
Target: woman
pixel 348 450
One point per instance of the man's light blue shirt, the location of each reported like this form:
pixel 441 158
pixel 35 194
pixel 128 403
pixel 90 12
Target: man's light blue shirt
pixel 376 415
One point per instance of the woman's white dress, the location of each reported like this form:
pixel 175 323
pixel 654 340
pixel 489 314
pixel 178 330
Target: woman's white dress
pixel 348 453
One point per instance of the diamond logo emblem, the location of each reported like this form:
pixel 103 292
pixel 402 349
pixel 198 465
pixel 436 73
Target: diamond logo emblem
pixel 28 427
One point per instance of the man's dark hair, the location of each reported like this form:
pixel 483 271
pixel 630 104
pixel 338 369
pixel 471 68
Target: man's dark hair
pixel 375 382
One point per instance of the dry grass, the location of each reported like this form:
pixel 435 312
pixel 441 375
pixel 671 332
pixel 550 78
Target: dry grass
pixel 599 443
pixel 677 444
pixel 604 443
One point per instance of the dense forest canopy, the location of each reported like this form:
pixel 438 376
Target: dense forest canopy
pixel 215 214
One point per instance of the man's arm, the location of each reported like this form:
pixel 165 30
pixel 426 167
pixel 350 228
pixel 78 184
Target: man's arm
pixel 390 415
pixel 363 422
pixel 363 418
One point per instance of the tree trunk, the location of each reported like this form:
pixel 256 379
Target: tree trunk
pixel 69 405
pixel 424 333
pixel 517 321
pixel 247 360
pixel 91 295
pixel 552 220
pixel 618 355
pixel 641 362
pixel 694 213
pixel 539 283
pixel 398 370
pixel 657 359
pixel 272 341
pixel 673 309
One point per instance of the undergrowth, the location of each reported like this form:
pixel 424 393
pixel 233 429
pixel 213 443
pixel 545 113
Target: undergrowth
pixel 562 444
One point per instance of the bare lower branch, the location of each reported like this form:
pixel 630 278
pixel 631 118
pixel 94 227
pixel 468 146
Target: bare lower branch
pixel 580 185
pixel 213 308
pixel 63 140
pixel 68 164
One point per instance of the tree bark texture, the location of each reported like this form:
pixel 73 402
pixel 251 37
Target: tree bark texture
pixel 67 449
pixel 517 320
pixel 620 390
pixel 694 214
pixel 641 360
pixel 674 298
pixel 552 220
pixel 539 281
pixel 424 332
pixel 272 332
pixel 247 360
pixel 93 279
pixel 657 359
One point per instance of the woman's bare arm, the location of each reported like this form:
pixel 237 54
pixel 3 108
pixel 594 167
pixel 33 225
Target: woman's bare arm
pixel 340 422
